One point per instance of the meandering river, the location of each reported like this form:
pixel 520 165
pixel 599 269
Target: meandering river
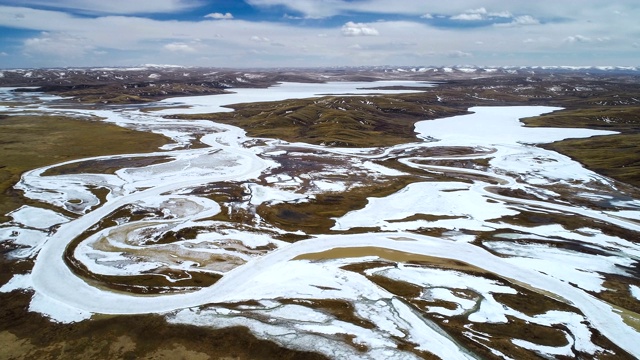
pixel 480 203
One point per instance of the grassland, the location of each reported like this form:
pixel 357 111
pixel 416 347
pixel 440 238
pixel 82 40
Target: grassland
pixel 132 93
pixel 335 121
pixel 316 216
pixel 616 156
pixel 29 142
pixel 27 335
pixel 600 103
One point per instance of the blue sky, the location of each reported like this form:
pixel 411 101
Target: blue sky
pixel 308 33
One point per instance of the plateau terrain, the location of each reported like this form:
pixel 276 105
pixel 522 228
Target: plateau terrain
pixel 462 212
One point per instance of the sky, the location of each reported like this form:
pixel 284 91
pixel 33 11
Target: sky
pixel 317 33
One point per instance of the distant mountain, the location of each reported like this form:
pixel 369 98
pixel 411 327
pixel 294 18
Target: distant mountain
pixel 150 75
pixel 525 70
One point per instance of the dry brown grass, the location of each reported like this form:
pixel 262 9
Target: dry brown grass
pixel 29 142
pixel 338 121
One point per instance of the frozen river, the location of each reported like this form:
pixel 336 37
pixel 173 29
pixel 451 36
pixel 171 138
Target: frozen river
pixel 471 206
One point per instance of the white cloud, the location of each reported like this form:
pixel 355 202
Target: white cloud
pixel 57 45
pixel 471 15
pixel 358 29
pixel 501 14
pixel 74 39
pixel 481 14
pixel 427 16
pixel 569 11
pixel 312 9
pixel 585 39
pixel 328 8
pixel 577 39
pixel 525 20
pixel 114 6
pixel 538 40
pixel 459 54
pixel 219 16
pixel 521 21
pixel 291 17
pixel 180 48
pixel 257 38
pixel 468 17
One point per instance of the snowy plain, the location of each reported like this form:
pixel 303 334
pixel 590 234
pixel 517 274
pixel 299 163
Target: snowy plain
pixel 463 208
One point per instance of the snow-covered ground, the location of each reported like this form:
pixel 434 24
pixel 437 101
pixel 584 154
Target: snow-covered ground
pixel 256 266
pixel 215 103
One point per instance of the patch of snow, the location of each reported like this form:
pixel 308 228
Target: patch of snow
pixel 38 218
pixel 17 282
pixel 56 310
pixel 329 186
pixel 450 199
pixel 569 266
pixel 264 194
pixel 282 91
pixel 381 169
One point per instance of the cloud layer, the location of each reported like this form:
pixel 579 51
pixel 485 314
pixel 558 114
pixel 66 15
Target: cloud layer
pixel 111 6
pixel 318 33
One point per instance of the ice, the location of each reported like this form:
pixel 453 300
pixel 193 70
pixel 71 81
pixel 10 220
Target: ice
pixel 215 103
pixel 569 266
pixel 449 199
pixel 497 125
pixel 29 241
pixel 37 217
pixel 263 194
pixel 382 169
pixel 459 206
pixel 21 236
pixel 433 340
pixel 564 351
pixel 56 310
pixel 329 186
pixel 17 282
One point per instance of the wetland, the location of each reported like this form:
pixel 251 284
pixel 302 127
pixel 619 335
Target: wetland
pixel 414 216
